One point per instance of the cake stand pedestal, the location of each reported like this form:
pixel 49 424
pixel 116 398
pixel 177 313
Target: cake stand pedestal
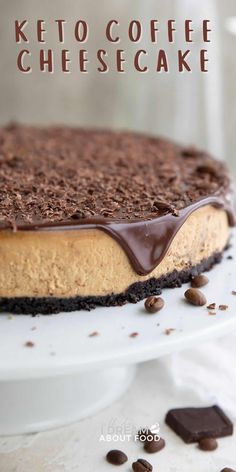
pixel 38 404
pixel 67 374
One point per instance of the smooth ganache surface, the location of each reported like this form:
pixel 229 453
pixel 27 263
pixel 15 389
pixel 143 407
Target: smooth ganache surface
pixel 137 188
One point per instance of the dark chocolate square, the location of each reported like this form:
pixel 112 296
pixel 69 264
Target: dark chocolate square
pixel 193 424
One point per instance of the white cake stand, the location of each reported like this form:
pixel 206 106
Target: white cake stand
pixel 68 375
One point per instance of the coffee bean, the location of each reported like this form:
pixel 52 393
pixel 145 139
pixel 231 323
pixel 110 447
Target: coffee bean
pixel 208 444
pixel 154 304
pixel 154 445
pixel 141 466
pixel 199 281
pixel 227 469
pixel 195 297
pixel 116 457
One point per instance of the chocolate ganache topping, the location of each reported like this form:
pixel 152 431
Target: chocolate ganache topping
pixel 136 188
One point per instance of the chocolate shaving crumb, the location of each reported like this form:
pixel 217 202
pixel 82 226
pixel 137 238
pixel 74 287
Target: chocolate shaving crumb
pixel 212 306
pixel 168 331
pixel 233 292
pixel 133 335
pixel 93 334
pixel 29 344
pixel 223 307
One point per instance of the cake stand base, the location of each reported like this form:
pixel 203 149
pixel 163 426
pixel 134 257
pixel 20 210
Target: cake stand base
pixel 33 405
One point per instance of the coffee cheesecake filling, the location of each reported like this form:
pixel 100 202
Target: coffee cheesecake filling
pixel 86 261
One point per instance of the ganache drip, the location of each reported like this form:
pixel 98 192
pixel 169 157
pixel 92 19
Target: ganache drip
pixel 144 242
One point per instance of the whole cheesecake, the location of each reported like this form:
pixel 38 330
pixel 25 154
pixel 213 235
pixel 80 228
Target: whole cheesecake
pixel 91 217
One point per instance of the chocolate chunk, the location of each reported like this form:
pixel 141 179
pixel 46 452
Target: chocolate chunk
pixel 199 281
pixel 208 444
pixel 141 466
pixel 116 457
pixel 195 297
pixel 223 307
pixel 194 424
pixel 154 445
pixel 154 304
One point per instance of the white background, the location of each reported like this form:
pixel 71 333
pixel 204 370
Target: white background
pixel 196 107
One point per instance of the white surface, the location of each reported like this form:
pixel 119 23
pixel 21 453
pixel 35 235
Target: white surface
pixel 193 377
pixel 62 342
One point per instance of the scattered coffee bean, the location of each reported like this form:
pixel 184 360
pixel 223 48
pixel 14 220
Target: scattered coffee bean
pixel 227 469
pixel 154 445
pixel 212 306
pixel 195 297
pixel 208 444
pixel 141 466
pixel 154 304
pixel 223 307
pixel 116 457
pixel 199 281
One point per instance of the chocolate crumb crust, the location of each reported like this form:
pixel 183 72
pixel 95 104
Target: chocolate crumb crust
pixel 59 174
pixel 135 293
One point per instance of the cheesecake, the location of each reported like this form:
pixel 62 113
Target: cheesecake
pixel 100 218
